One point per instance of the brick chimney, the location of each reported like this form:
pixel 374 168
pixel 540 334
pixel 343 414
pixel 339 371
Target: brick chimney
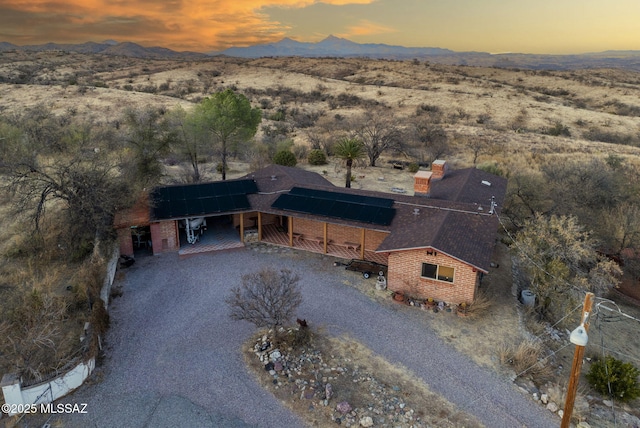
pixel 422 183
pixel 439 169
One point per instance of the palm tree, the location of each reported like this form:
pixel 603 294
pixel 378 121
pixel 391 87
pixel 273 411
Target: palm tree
pixel 349 149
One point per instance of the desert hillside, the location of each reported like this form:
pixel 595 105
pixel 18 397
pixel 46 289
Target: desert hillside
pixel 518 114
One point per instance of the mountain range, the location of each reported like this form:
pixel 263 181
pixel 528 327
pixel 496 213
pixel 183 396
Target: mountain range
pixel 331 46
pixel 338 47
pixel 108 47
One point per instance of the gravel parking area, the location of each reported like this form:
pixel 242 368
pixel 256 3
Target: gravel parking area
pixel 174 357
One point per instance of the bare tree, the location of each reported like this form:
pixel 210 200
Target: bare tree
pixel 430 138
pixel 378 132
pixel 266 298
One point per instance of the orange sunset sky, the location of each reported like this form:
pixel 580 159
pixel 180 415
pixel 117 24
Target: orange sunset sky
pixel 540 26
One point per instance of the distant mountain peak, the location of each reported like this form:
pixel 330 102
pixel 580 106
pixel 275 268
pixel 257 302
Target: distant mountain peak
pixel 331 46
pixel 110 42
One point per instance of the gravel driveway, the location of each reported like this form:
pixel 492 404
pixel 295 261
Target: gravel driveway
pixel 174 355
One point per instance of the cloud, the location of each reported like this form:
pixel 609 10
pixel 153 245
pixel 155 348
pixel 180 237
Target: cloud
pixel 184 25
pixel 367 28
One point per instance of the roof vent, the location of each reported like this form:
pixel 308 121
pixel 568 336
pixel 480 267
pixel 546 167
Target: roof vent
pixel 486 183
pixel 416 211
pixel 273 178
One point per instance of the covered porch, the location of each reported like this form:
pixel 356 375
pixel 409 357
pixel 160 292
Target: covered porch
pixel 274 234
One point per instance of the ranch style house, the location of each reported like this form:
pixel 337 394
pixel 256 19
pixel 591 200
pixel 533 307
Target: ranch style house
pixel 437 243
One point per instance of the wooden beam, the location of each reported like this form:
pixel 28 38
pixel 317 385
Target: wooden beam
pixel 259 226
pixel 290 219
pixel 325 236
pixel 362 233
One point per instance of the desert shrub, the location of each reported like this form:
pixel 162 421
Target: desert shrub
pixel 597 134
pixel 265 103
pixel 305 119
pixel 413 167
pixel 285 158
pixel 317 157
pixel 279 115
pixel 622 109
pixel 612 377
pixel 300 151
pixel 492 168
pixel 558 129
pixel 266 298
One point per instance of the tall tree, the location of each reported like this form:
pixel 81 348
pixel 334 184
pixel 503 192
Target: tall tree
pixel 349 150
pixel 148 136
pixel 378 133
pixel 230 119
pixel 191 141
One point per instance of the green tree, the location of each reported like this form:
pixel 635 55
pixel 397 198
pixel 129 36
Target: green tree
pixel 349 150
pixel 559 258
pixel 230 119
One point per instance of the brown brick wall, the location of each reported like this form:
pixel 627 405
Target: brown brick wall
pixel 164 237
pixel 307 227
pixel 405 270
pixel 373 239
pixel 340 234
pixel 125 241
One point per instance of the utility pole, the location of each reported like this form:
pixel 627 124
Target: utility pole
pixel 579 338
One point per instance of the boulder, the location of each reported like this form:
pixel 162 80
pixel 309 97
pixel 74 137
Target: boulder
pixel 366 422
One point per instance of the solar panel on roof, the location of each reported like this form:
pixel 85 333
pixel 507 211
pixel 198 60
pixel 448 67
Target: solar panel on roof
pixel 201 199
pixel 175 193
pixel 210 205
pixel 342 196
pixel 337 205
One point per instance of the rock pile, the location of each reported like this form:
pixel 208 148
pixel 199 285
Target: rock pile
pixel 333 385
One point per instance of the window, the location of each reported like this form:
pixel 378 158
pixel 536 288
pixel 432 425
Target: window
pixel 441 273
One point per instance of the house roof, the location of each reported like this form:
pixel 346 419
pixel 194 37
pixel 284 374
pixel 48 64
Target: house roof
pixel 455 219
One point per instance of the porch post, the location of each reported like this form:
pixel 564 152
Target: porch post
pixel 242 227
pixel 290 219
pixel 259 226
pixel 362 241
pixel 324 226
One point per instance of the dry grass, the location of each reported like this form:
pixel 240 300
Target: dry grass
pixel 480 306
pixel 527 359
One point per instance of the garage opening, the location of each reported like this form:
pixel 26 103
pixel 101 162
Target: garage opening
pixel 205 234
